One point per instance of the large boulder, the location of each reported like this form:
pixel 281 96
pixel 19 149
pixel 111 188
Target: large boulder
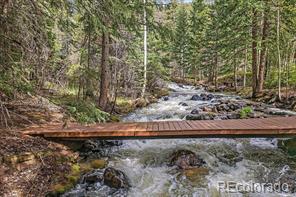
pixel 115 178
pixel 185 159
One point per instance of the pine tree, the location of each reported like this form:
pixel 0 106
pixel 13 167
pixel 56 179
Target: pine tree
pixel 182 41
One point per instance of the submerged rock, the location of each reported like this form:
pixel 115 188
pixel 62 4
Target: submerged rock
pixel 185 159
pixel 115 178
pixel 196 175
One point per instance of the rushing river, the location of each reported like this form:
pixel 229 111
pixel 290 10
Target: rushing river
pixel 236 160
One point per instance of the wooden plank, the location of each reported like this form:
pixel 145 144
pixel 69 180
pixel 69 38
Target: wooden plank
pixel 155 126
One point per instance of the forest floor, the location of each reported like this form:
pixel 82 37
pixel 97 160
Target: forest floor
pixel 31 166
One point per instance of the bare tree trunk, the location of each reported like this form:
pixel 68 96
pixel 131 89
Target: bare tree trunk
pixel 254 52
pixel 263 54
pixel 105 72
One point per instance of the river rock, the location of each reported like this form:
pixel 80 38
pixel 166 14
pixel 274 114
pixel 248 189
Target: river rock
pixel 183 104
pixel 89 145
pixel 206 109
pixel 195 98
pixel 233 116
pixel 185 159
pixel 215 110
pixel 93 177
pixel 200 117
pixel 234 106
pixel 223 107
pixel 115 178
pixel 166 98
pixel 195 111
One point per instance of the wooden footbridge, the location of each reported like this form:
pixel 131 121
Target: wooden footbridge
pixel 265 127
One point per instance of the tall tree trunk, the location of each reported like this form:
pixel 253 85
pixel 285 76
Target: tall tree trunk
pixel 105 72
pixel 279 53
pixel 263 54
pixel 145 52
pixel 235 74
pixel 245 68
pixel 216 71
pixel 254 52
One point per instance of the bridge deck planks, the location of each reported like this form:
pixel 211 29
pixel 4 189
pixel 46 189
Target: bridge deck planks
pixel 269 127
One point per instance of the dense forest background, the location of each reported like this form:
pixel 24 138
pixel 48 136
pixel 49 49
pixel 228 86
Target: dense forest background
pixel 92 51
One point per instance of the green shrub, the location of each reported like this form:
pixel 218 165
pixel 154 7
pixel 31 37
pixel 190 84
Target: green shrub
pixel 245 112
pixel 86 112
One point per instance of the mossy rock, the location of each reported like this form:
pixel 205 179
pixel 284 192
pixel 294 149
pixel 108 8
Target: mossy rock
pixel 75 169
pixel 98 163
